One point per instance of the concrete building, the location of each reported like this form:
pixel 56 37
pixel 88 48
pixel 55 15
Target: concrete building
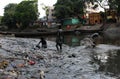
pixel 51 16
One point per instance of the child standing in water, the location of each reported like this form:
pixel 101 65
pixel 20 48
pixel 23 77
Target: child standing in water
pixel 59 40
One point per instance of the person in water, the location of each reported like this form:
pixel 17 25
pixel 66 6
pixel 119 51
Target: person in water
pixel 59 40
pixel 42 42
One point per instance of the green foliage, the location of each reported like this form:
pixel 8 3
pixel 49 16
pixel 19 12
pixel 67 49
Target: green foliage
pixel 115 5
pixel 26 13
pixel 75 8
pixel 69 8
pixel 9 18
pixel 21 14
pixel 0 19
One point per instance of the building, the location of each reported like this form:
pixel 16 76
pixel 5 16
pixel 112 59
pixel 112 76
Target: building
pixel 50 13
pixel 50 17
pixel 95 18
pixel 93 14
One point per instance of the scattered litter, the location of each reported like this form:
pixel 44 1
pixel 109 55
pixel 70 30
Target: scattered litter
pixel 19 60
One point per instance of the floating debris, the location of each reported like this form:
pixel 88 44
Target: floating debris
pixel 19 60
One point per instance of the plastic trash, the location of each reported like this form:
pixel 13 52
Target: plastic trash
pixel 31 62
pixel 3 64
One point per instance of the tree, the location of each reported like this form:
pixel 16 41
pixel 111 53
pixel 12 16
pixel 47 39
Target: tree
pixel 69 8
pixel 9 18
pixel 26 13
pixel 103 4
pixel 0 19
pixel 115 5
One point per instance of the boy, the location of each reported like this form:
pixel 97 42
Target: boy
pixel 43 42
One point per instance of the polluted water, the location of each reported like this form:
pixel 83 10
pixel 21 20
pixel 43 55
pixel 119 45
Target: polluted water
pixel 21 59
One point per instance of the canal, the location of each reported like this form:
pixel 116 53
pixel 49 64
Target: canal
pixel 108 61
pixel 74 62
pixel 74 39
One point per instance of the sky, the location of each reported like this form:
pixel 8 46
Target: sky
pixel 3 3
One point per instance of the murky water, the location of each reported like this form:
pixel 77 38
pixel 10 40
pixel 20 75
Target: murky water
pixel 74 62
pixel 110 65
pixel 74 39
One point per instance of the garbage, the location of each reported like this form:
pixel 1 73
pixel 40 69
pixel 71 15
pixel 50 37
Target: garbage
pixel 31 62
pixel 20 65
pixel 42 74
pixel 20 60
pixel 72 55
pixel 13 73
pixel 3 64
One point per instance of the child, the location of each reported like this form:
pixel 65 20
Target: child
pixel 43 42
pixel 59 42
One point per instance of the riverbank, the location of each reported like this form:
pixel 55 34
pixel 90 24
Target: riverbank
pixel 51 31
pixel 43 32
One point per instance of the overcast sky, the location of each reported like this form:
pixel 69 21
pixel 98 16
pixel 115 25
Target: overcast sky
pixel 3 3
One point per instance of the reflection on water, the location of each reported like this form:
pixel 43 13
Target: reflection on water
pixel 101 39
pixel 74 39
pixel 111 64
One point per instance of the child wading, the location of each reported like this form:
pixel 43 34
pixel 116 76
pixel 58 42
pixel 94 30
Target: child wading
pixel 59 40
pixel 43 43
